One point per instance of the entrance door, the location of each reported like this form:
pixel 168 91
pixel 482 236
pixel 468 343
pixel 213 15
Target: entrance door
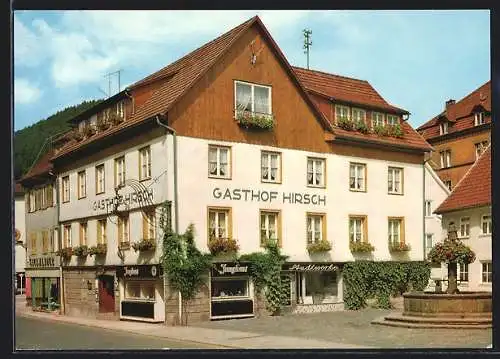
pixel 106 294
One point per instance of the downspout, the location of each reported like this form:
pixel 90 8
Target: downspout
pixel 176 207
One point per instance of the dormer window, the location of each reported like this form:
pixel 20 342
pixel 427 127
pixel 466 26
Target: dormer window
pixel 341 113
pixel 119 109
pixel 392 120
pixel 443 128
pixel 377 119
pixel 478 118
pixel 82 125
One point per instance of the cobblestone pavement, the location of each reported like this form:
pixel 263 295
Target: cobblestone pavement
pixel 353 327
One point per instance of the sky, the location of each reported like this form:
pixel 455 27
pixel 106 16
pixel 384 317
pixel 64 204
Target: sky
pixel 416 60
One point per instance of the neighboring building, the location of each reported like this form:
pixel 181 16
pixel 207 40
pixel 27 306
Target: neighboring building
pixel 299 178
pixel 435 193
pixel 468 208
pixel 20 239
pixel 43 272
pixel 459 134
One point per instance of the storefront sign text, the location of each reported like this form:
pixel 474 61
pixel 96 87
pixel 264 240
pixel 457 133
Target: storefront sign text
pixel 240 194
pixel 139 198
pixel 140 271
pixel 35 262
pixel 229 269
pixel 311 267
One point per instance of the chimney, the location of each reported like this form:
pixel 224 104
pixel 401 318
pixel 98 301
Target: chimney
pixel 450 102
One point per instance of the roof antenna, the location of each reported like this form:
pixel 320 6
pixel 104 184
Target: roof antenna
pixel 307 43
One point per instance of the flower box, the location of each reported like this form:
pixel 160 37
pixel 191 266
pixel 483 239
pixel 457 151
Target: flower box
pixel 145 244
pixel 317 247
pixel 256 120
pixel 77 135
pixel 65 253
pixel 361 247
pixel 81 251
pixel 89 130
pixel 399 247
pixel 99 250
pixel 346 124
pixel 102 124
pixel 222 246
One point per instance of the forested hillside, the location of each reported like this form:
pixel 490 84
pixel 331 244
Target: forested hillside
pixel 29 140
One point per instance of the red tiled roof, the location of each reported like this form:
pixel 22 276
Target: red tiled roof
pixel 343 89
pixel 18 189
pixel 42 166
pixel 474 189
pixel 459 113
pixel 179 77
pixel 351 90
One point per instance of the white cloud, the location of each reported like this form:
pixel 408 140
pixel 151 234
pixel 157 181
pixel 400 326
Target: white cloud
pixel 25 92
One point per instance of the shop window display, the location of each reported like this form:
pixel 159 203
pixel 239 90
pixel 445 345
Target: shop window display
pixel 140 290
pixel 229 288
pixel 317 288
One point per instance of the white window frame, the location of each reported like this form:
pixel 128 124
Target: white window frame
pixel 150 223
pixel 488 272
pixel 392 120
pixel 32 201
pixel 427 237
pixel 266 165
pixel 395 175
pixel 100 178
pixel 120 171
pixel 313 164
pixel 339 112
pixel 479 118
pixel 83 233
pixel 464 231
pixel 65 189
pixel 123 229
pixel 82 184
pixel 217 162
pixel 145 163
pixel 314 221
pixel 445 157
pixel 488 224
pixel 119 109
pixel 103 224
pixel 378 119
pixel 395 231
pixel 214 228
pixel 357 227
pixel 252 97
pixel 443 128
pixel 266 218
pixel 355 115
pixel 463 272
pixel 428 208
pixel 68 241
pixel 359 184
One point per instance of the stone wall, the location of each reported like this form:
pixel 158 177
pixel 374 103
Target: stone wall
pixel 198 308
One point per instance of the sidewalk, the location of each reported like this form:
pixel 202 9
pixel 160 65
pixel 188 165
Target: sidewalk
pixel 226 339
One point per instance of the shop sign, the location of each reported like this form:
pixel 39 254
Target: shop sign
pixel 139 271
pixel 136 199
pixel 43 261
pixel 229 269
pixel 252 195
pixel 310 267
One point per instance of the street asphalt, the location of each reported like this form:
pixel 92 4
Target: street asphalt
pixel 40 334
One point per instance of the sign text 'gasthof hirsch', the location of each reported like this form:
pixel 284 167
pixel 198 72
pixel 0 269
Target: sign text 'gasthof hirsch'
pixel 240 194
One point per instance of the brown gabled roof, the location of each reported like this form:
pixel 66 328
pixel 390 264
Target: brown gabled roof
pixel 344 89
pixel 459 113
pixel 354 91
pixel 41 167
pixel 181 75
pixel 18 189
pixel 474 189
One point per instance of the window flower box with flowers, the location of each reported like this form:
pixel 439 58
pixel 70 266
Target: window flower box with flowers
pixel 78 135
pixel 99 250
pixel 222 246
pixel 89 130
pixel 102 124
pixel 65 253
pixel 318 247
pixel 360 247
pixel 399 247
pixel 81 251
pixel 348 125
pixel 144 245
pixel 248 119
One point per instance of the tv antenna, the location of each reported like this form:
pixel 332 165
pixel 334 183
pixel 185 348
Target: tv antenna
pixel 307 43
pixel 109 75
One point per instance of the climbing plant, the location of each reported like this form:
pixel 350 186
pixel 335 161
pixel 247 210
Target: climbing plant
pixel 380 280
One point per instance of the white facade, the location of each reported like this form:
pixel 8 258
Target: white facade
pixel 435 193
pixel 197 192
pixel 478 240
pixel 20 250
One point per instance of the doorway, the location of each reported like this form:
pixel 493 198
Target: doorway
pixel 106 293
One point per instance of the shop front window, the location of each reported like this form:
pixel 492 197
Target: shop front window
pixel 317 288
pixel 140 290
pixel 228 288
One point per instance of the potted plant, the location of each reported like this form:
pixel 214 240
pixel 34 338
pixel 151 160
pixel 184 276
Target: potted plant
pixel 346 124
pixel 399 247
pixel 145 244
pixel 396 131
pixel 362 127
pixel 78 135
pixel 381 130
pixel 89 130
pixel 218 246
pixel 318 247
pixel 102 123
pixel 81 251
pixel 451 251
pixel 65 253
pixel 360 247
pixel 98 250
pixel 249 119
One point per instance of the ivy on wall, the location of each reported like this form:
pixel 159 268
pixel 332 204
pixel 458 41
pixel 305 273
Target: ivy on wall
pixel 380 280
